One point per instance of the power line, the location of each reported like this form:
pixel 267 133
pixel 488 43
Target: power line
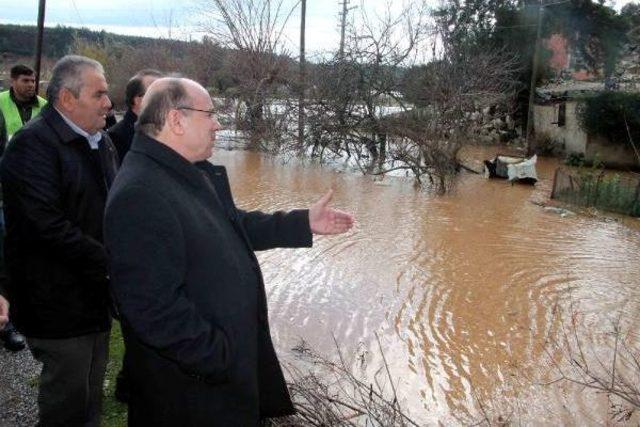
pixel 77 12
pixel 558 2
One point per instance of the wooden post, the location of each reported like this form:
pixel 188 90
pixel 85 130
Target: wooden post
pixel 555 182
pixel 41 11
pixel 343 25
pixel 532 87
pixel 303 78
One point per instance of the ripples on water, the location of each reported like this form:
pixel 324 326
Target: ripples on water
pixel 462 288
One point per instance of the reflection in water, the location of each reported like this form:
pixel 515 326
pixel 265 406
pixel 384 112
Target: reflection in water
pixel 460 288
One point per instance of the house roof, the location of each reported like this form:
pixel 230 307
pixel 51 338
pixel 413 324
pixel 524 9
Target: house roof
pixel 554 92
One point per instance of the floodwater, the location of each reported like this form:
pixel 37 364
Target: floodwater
pixel 465 291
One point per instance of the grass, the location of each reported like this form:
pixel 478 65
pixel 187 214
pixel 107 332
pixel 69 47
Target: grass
pixel 114 413
pixel 607 192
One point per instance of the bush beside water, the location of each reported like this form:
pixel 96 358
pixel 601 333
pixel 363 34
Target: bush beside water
pixel 593 187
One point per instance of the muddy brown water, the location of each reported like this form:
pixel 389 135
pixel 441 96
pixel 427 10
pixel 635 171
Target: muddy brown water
pixel 464 290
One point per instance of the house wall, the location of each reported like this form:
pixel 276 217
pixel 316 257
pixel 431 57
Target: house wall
pixel 570 136
pixel 616 156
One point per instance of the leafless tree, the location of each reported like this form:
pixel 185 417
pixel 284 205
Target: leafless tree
pixel 361 108
pixel 331 394
pixel 608 362
pixel 351 92
pixel 426 140
pixel 254 30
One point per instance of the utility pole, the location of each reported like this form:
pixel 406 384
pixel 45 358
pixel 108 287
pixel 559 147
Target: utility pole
pixel 343 25
pixel 534 76
pixel 303 77
pixel 41 10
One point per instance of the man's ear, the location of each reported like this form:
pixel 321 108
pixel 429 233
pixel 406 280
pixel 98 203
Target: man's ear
pixel 137 104
pixel 67 100
pixel 175 121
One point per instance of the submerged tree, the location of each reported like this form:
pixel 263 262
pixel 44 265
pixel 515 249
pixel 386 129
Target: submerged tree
pixel 352 92
pixel 259 61
pixel 452 92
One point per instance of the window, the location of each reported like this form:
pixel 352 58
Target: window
pixel 562 114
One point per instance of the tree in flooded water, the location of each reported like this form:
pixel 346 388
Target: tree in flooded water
pixel 370 102
pixel 375 104
pixel 355 93
pixel 452 91
pixel 258 60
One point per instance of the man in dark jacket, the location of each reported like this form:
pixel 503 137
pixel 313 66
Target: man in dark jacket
pixel 184 274
pixel 122 132
pixel 3 135
pixel 55 176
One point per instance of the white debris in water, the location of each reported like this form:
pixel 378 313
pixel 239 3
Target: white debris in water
pixel 560 211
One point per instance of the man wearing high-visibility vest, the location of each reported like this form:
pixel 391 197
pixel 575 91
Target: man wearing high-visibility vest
pixel 20 103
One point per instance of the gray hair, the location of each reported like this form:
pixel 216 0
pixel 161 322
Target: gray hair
pixel 67 74
pixel 173 94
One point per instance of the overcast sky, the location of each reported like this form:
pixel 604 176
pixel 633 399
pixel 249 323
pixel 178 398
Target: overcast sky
pixel 171 18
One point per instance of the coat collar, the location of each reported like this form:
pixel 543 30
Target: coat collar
pixel 130 117
pixel 55 120
pixel 166 156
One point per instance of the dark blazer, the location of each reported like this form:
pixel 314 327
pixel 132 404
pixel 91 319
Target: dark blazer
pixel 190 292
pixel 3 135
pixel 122 133
pixel 55 190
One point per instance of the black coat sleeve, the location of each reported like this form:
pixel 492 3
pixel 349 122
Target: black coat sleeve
pixel 116 138
pixel 3 135
pixel 31 184
pixel 147 264
pixel 277 230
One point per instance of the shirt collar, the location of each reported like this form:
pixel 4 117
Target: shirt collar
pixel 92 139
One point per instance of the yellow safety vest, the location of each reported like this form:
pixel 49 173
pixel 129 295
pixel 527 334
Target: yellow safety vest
pixel 12 119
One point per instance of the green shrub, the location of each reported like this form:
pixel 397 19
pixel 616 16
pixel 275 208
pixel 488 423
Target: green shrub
pixel 592 187
pixel 574 159
pixel 606 114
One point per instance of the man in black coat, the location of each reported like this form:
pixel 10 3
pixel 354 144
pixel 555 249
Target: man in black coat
pixel 122 135
pixel 55 177
pixel 3 135
pixel 122 132
pixel 184 275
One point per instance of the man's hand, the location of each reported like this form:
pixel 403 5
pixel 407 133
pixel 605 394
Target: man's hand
pixel 4 312
pixel 326 220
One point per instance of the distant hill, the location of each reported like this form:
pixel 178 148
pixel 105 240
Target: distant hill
pixel 20 40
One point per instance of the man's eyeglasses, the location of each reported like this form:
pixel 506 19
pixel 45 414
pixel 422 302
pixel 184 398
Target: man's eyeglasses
pixel 211 113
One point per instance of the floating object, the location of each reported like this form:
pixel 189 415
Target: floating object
pixel 560 211
pixel 512 168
